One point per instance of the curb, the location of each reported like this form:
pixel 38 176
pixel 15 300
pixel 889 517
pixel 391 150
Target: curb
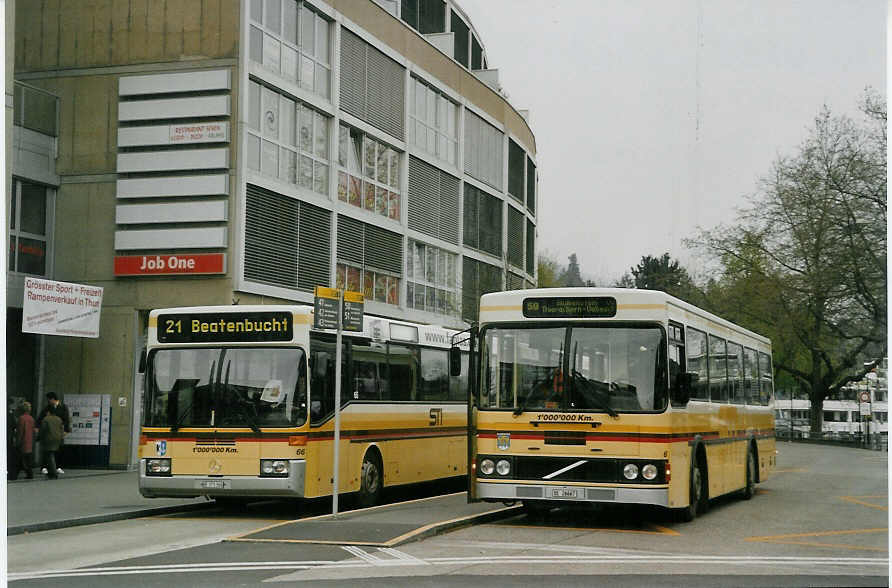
pixel 105 518
pixel 446 526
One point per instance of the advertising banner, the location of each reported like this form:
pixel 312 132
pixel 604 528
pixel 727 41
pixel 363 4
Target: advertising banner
pixel 61 308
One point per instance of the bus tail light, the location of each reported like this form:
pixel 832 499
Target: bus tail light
pixel 668 472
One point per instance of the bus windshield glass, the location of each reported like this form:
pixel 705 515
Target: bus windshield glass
pixel 599 368
pixel 226 387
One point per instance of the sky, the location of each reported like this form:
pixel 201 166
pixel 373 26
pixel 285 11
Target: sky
pixel 655 117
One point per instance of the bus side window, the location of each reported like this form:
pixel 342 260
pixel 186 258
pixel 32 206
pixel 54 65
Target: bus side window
pixel 750 375
pixel 735 372
pixel 458 385
pixel 677 363
pixel 696 356
pixel 767 387
pixel 402 367
pixel 718 370
pixel 434 374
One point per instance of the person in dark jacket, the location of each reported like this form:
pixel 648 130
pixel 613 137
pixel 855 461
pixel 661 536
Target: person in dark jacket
pixel 51 433
pixel 60 410
pixel 25 438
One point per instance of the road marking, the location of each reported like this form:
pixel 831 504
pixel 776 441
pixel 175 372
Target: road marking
pixel 657 529
pixel 790 539
pixel 343 515
pixel 367 557
pixel 371 561
pixel 857 500
pixel 791 471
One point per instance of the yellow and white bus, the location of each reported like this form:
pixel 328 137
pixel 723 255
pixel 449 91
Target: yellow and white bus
pixel 616 396
pixel 239 403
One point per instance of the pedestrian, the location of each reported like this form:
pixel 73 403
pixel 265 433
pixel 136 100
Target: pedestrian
pixel 61 411
pixel 51 432
pixel 25 437
pixel 11 463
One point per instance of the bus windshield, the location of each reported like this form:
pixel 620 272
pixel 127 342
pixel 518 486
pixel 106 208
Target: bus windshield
pixel 226 387
pixel 600 368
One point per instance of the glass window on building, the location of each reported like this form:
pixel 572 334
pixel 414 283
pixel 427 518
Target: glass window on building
pixel 483 150
pixel 461 32
pixel 368 173
pixel 431 283
pixel 433 127
pixel 369 260
pixel 28 238
pixel 287 139
pixel 482 221
pixel 290 39
pixel 425 16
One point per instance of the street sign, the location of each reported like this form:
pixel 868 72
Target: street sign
pixel 325 312
pixel 865 397
pixel 353 310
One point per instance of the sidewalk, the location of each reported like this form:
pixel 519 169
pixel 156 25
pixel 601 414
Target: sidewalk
pixel 83 497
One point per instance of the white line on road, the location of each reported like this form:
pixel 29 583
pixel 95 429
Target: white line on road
pixel 368 560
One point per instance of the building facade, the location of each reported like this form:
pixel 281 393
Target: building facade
pixel 183 153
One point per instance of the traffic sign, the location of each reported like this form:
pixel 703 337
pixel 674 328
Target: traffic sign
pixel 325 314
pixel 353 311
pixel 865 397
pixel 325 311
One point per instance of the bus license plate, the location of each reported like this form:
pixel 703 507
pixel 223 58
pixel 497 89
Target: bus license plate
pixel 213 484
pixel 564 492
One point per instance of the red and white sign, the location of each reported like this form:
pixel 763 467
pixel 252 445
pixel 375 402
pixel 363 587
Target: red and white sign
pixel 198 133
pixel 170 264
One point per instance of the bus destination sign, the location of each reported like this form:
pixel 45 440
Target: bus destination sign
pixel 570 307
pixel 223 327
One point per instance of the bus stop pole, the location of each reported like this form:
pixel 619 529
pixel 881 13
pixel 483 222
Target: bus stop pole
pixel 337 408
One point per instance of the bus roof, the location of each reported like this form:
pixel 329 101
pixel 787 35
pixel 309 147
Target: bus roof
pixel 631 304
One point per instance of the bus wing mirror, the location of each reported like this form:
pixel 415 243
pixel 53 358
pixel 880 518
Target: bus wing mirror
pixel 454 362
pixel 142 361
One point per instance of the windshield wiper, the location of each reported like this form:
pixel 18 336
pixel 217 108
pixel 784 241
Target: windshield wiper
pixel 597 398
pixel 542 382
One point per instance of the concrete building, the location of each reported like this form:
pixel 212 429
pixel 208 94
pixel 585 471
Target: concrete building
pixel 186 152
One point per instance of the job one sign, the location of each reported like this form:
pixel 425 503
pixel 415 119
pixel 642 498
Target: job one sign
pixel 168 264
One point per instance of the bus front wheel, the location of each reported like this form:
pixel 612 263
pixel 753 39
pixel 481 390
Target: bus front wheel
pixel 697 493
pixel 371 480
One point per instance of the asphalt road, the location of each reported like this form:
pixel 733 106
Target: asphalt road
pixel 822 520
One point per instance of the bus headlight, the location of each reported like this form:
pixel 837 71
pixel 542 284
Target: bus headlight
pixel 273 468
pixel 158 467
pixel 649 472
pixel 487 467
pixel 630 471
pixel 503 466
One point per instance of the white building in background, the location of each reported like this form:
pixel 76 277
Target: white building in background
pixel 862 409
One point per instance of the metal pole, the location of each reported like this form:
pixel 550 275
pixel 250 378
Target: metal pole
pixel 337 410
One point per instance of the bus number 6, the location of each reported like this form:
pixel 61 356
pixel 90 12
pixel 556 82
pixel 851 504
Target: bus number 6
pixel 436 415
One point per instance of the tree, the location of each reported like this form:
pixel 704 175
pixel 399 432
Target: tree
pixel 660 273
pixel 806 262
pixel 548 270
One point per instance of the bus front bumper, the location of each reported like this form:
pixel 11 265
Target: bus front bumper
pixel 190 486
pixel 619 494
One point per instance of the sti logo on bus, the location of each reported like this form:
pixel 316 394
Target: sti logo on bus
pixel 223 327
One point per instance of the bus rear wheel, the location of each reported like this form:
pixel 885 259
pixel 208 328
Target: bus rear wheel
pixel 371 480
